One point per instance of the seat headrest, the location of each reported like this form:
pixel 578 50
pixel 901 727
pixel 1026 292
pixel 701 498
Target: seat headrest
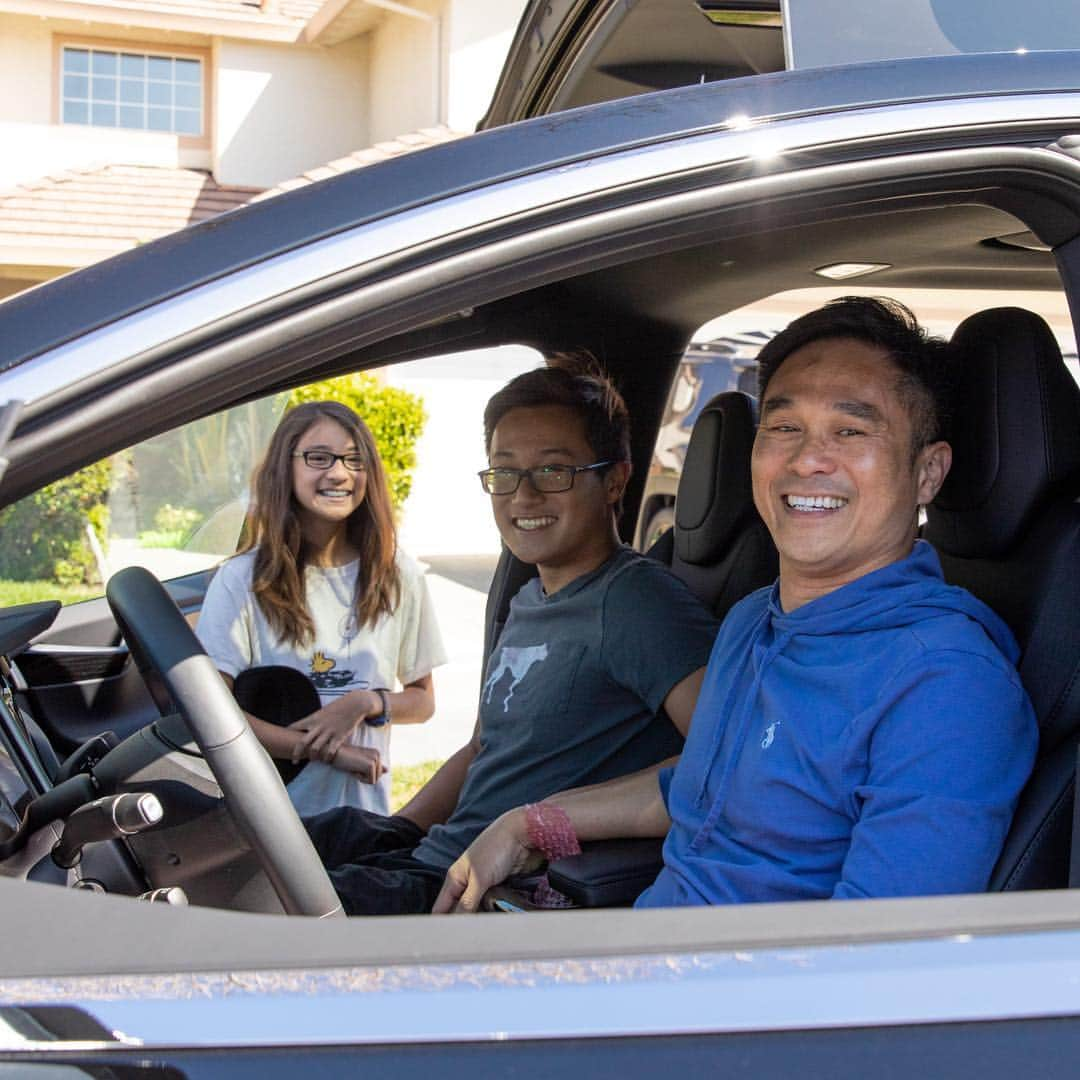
pixel 1016 434
pixel 715 497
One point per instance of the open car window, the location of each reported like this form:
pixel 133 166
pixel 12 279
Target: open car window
pixel 176 503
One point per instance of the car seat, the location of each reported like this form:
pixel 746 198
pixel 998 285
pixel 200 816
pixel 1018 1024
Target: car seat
pixel 1007 527
pixel 719 545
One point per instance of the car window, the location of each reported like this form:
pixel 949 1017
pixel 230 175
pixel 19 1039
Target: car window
pixel 176 503
pixel 722 356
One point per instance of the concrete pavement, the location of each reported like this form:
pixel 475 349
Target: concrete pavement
pixel 459 593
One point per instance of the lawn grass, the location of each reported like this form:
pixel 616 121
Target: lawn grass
pixel 407 780
pixel 27 592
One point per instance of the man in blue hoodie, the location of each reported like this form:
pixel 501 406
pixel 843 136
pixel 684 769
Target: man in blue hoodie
pixel 861 730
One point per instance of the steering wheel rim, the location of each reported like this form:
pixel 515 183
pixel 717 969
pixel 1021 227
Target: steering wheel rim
pixel 162 643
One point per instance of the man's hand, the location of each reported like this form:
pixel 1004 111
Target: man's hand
pixel 324 733
pixel 500 851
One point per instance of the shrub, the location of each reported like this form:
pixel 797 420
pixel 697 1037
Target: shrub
pixel 45 533
pixel 180 519
pixel 204 464
pixel 395 416
pixel 173 526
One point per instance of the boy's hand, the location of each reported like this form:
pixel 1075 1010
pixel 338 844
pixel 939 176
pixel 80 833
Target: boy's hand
pixel 499 852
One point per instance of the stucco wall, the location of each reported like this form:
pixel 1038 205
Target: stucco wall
pixel 440 70
pixel 280 110
pixel 478 37
pixel 407 76
pixel 276 110
pixel 25 67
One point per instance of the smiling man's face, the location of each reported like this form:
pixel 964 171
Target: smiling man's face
pixel 834 474
pixel 565 533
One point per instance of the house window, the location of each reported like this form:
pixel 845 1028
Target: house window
pixel 138 91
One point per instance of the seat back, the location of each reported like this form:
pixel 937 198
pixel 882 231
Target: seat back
pixel 1007 527
pixel 719 545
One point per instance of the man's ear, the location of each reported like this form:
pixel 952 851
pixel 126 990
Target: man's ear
pixel 932 465
pixel 615 480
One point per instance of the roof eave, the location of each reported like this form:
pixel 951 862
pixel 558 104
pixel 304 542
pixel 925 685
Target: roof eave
pixel 257 27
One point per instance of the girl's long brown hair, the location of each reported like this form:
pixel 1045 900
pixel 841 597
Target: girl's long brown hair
pixel 274 529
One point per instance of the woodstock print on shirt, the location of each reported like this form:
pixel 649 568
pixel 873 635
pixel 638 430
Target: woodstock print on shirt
pixel 328 679
pixel 516 661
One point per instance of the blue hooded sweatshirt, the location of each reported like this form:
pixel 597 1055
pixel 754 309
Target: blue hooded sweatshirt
pixel 873 742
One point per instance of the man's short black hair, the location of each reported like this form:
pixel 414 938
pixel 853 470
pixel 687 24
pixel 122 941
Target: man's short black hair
pixel 923 381
pixel 573 381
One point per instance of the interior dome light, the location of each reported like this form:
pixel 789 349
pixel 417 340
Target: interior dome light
pixel 842 271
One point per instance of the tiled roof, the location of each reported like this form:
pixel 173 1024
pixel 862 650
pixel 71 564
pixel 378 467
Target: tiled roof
pixel 402 144
pixel 85 215
pixel 77 217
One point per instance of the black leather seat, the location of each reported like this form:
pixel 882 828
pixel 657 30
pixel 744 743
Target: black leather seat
pixel 1007 527
pixel 720 547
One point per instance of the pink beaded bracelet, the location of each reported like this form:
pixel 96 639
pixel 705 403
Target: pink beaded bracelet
pixel 549 831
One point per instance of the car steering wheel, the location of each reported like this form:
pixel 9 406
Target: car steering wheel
pixel 164 645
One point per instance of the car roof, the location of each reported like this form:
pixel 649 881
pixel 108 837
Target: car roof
pixel 43 318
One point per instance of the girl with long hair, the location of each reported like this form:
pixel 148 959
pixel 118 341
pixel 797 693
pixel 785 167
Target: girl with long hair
pixel 321 615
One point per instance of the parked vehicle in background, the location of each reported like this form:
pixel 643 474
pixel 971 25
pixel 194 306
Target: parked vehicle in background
pixel 707 369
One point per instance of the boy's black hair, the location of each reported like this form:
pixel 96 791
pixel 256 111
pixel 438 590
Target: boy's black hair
pixel 576 382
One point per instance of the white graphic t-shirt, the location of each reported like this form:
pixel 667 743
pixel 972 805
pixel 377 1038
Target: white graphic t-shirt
pixel 398 649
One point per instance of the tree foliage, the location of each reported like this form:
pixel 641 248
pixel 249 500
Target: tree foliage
pixel 45 534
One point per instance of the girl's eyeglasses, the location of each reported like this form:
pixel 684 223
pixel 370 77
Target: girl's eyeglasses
pixel 323 460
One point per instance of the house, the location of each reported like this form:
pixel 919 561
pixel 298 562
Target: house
pixel 122 120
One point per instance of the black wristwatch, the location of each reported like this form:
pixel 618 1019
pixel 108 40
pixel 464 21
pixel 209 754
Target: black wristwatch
pixel 385 716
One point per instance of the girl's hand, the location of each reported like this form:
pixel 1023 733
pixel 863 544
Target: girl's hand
pixel 363 762
pixel 325 733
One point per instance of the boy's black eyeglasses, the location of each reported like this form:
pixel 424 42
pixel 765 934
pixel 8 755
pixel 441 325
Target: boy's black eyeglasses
pixel 323 460
pixel 544 478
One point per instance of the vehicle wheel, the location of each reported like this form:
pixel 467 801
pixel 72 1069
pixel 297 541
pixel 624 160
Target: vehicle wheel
pixel 659 523
pixel 165 649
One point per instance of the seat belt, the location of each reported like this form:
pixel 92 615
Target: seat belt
pixel 1074 845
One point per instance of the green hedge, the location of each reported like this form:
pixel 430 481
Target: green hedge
pixel 45 533
pixel 395 416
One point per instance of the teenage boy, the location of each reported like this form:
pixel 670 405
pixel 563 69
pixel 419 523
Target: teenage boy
pixel 594 675
pixel 862 730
